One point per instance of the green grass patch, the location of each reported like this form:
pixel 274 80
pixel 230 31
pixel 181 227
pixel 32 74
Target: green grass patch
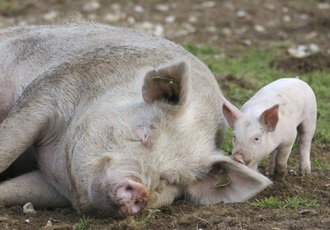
pixel 84 223
pixel 320 165
pixel 289 203
pixel 8 6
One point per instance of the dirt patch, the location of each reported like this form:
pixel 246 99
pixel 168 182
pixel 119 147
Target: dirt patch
pixel 316 62
pixel 227 25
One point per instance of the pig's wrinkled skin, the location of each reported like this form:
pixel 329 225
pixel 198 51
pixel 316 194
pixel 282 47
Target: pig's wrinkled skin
pixel 269 122
pixel 120 120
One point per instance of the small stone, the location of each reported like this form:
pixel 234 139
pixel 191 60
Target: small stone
pixel 269 6
pixel 50 15
pixel 112 17
pixel 170 19
pixel 162 7
pixel 193 19
pixel 286 18
pixel 311 35
pixel 285 9
pixel 208 4
pixel 227 32
pixel 303 16
pixel 28 208
pixel 131 20
pixel 313 48
pixel 247 42
pixel 211 29
pixel 308 212
pixel 138 9
pixel 91 6
pixel 241 14
pixel 259 28
pixel 27 221
pixel 323 5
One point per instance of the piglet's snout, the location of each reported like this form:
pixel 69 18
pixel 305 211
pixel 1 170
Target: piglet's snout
pixel 241 158
pixel 132 197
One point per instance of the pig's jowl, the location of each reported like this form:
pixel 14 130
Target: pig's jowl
pixel 119 120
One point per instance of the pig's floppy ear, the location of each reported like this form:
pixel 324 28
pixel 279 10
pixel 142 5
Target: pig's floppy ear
pixel 231 112
pixel 227 181
pixel 269 118
pixel 168 84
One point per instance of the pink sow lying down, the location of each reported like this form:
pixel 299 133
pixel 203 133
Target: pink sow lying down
pixel 118 121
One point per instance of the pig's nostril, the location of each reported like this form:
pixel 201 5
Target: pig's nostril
pixel 129 188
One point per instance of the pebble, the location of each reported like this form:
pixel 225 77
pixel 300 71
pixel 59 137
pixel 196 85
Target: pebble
pixel 162 7
pixel 259 28
pixel 170 19
pixel 308 212
pixel 323 6
pixel 28 208
pixel 138 9
pixel 51 15
pixel 241 13
pixel 286 18
pixel 303 50
pixel 208 4
pixel 91 6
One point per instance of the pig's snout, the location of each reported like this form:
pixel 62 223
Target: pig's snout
pixel 240 158
pixel 132 197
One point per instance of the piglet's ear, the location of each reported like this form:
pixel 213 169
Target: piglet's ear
pixel 227 181
pixel 168 84
pixel 269 118
pixel 231 112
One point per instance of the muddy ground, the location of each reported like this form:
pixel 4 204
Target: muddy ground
pixel 227 25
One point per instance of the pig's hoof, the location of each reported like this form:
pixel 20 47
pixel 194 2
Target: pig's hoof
pixel 132 197
pixel 279 176
pixel 304 172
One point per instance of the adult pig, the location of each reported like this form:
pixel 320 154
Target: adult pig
pixel 269 123
pixel 120 120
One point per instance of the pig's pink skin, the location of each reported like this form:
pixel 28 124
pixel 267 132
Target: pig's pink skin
pixel 269 122
pixel 120 119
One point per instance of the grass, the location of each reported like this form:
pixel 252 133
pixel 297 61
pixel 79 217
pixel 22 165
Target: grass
pixel 320 165
pixel 252 68
pixel 289 203
pixel 8 6
pixel 84 223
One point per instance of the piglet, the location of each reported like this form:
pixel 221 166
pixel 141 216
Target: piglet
pixel 269 122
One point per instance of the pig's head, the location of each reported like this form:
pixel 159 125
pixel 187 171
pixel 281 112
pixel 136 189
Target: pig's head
pixel 251 132
pixel 159 146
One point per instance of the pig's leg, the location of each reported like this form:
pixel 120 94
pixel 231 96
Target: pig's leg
pixel 281 160
pixel 271 165
pixel 306 132
pixel 19 131
pixel 31 187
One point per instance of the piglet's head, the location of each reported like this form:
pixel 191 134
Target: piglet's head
pixel 250 132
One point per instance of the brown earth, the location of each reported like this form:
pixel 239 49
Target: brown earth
pixel 228 25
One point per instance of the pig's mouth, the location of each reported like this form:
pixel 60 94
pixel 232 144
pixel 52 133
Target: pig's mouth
pixel 131 197
pixel 238 158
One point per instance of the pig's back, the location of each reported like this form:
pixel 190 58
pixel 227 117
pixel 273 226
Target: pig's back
pixel 292 94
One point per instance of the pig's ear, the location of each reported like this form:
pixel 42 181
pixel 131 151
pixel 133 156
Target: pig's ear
pixel 227 181
pixel 231 112
pixel 168 84
pixel 269 118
